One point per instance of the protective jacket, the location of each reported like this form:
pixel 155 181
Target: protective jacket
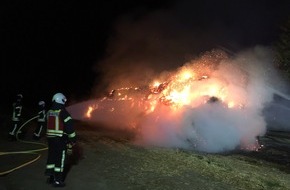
pixel 16 119
pixel 41 115
pixel 40 122
pixel 17 108
pixel 60 123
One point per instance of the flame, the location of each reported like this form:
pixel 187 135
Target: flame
pixel 91 108
pixel 89 112
pixel 185 88
pixel 193 85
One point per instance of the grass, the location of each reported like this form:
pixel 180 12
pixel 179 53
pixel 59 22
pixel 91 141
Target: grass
pixel 163 168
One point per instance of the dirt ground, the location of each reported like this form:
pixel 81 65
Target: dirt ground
pixel 98 163
pixel 106 160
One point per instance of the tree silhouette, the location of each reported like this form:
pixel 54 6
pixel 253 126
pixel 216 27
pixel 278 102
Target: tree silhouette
pixel 282 48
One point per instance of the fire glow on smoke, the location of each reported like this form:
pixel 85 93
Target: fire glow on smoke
pixel 213 103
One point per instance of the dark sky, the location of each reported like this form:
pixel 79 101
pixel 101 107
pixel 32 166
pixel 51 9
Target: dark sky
pixel 73 46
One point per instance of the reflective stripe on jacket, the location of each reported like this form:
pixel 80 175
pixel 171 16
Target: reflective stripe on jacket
pixel 17 108
pixel 41 116
pixel 55 126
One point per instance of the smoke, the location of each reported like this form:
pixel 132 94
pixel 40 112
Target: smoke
pixel 277 113
pixel 214 127
pixel 166 42
pixel 145 43
pixel 245 86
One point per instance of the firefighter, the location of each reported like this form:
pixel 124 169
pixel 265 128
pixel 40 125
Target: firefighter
pixel 16 117
pixel 60 132
pixel 40 121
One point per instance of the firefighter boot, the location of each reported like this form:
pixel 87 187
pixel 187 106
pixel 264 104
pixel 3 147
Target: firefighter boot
pixel 58 180
pixel 58 183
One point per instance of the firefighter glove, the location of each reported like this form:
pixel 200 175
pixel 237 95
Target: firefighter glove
pixel 69 149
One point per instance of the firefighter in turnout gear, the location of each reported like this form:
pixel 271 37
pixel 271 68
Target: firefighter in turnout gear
pixel 38 133
pixel 60 132
pixel 16 117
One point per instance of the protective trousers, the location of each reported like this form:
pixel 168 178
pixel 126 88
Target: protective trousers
pixel 56 157
pixel 39 129
pixel 15 127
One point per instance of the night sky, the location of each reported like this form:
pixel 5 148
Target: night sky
pixel 75 47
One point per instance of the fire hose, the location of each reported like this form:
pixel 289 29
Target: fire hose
pixel 32 151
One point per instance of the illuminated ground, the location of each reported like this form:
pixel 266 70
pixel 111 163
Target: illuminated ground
pixel 105 159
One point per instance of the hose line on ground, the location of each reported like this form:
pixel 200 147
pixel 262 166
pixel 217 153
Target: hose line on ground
pixel 32 151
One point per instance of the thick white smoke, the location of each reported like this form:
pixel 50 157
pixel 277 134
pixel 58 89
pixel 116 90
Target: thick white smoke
pixel 277 113
pixel 248 79
pixel 154 45
pixel 214 127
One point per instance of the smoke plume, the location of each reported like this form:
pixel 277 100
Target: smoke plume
pixel 244 85
pixel 163 44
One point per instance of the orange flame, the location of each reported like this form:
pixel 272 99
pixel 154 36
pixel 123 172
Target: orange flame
pixel 89 112
pixel 187 87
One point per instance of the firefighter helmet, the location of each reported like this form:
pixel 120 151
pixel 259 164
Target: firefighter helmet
pixel 59 98
pixel 41 103
pixel 19 97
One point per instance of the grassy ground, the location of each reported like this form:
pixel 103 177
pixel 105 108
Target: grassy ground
pixel 107 160
pixel 161 168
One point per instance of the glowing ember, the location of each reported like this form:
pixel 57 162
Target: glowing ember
pixel 207 104
pixel 253 147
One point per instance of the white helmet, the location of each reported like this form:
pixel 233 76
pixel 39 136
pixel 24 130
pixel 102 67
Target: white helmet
pixel 41 103
pixel 59 98
pixel 19 96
